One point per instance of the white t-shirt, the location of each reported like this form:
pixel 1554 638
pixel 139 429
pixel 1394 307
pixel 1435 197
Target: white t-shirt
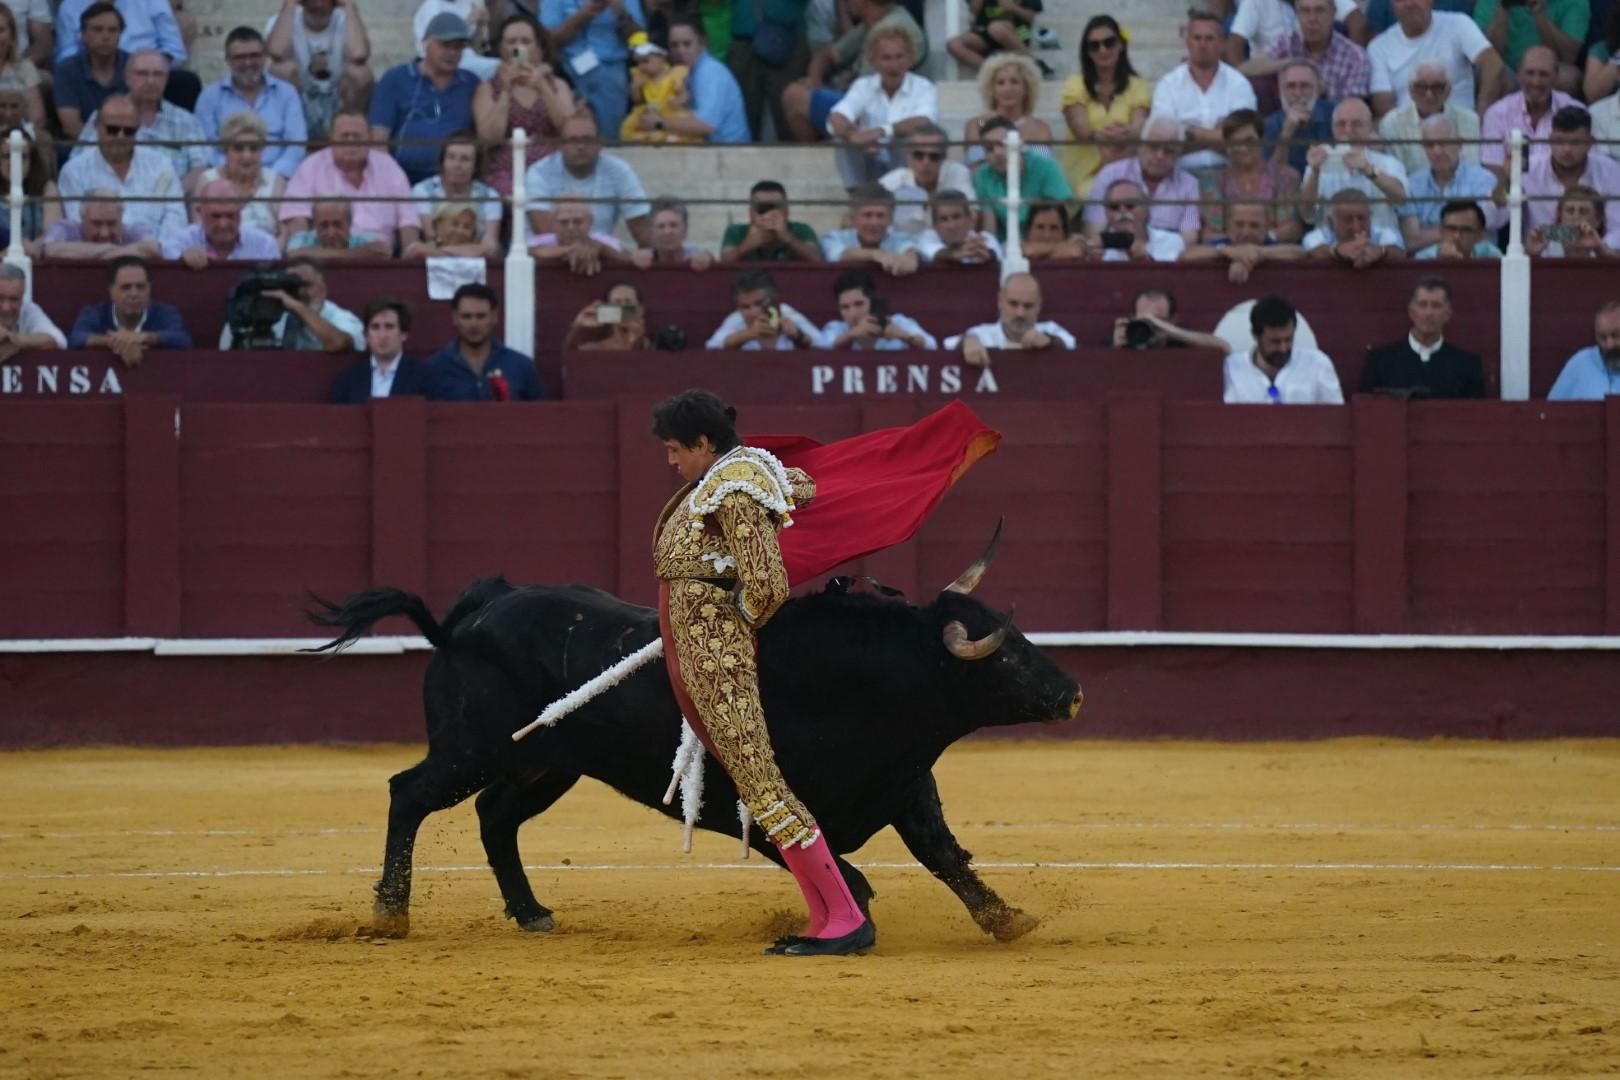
pixel 992 336
pixel 1266 22
pixel 308 44
pixel 1307 379
pixel 1452 39
pixel 1180 98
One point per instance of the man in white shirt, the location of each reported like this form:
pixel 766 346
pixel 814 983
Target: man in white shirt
pixel 141 176
pixel 1275 371
pixel 23 323
pixel 1203 91
pixel 1348 234
pixel 865 321
pixel 1127 234
pixel 1420 33
pixel 311 322
pixel 873 238
pixel 955 237
pixel 1020 325
pixel 925 174
pixel 761 320
pixel 322 48
pixel 1351 164
pixel 891 101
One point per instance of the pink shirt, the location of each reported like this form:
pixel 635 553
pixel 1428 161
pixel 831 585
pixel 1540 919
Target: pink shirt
pixel 1173 205
pixel 317 176
pixel 550 240
pixel 1542 190
pixel 1509 113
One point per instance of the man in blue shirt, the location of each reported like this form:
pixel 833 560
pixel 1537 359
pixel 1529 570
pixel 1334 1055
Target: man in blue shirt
pixel 476 367
pixel 129 322
pixel 420 103
pixel 143 24
pixel 95 72
pixel 1593 373
pixel 1306 117
pixel 276 102
pixel 718 114
pixel 591 35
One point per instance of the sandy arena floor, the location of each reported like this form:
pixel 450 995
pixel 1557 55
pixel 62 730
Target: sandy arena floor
pixel 1325 909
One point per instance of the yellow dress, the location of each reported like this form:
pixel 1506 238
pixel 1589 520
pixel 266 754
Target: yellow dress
pixel 716 553
pixel 1082 160
pixel 661 93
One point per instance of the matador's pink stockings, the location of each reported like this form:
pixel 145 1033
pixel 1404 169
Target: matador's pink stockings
pixel 833 911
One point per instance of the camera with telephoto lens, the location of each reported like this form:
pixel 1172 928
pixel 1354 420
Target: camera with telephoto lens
pixel 253 315
pixel 1139 334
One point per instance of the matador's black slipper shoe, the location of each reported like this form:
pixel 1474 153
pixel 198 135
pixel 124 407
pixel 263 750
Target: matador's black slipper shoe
pixel 858 940
pixel 779 946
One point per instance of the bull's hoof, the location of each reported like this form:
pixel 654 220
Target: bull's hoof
pixel 540 924
pixel 1011 925
pixel 387 925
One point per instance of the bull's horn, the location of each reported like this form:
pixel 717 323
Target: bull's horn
pixel 970 578
pixel 965 648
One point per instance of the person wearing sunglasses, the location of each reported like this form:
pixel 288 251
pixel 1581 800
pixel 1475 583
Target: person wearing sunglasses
pixel 1277 370
pixel 276 101
pixel 1104 106
pixel 926 172
pixel 141 177
pixel 1431 96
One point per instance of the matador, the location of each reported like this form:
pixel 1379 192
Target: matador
pixel 721 577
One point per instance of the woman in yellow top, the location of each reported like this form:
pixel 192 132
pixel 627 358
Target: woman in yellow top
pixel 1105 105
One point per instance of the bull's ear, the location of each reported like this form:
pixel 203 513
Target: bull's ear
pixel 969 579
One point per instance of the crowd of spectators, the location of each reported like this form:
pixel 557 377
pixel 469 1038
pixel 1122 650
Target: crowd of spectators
pixel 1312 130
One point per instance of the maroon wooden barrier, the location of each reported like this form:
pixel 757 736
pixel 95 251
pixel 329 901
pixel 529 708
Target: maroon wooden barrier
pixel 149 517
pixel 1349 310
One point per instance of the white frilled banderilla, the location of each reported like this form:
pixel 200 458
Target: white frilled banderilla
pixel 688 766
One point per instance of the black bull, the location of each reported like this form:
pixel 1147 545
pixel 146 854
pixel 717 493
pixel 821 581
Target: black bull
pixel 863 694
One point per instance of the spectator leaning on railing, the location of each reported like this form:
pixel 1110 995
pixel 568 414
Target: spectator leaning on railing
pixel 458 180
pixel 332 236
pixel 420 103
pixel 1425 364
pixel 23 323
pixel 955 236
pixel 1462 234
pixel 865 321
pixel 387 371
pixel 140 176
pixel 129 322
pixel 770 235
pixel 1402 128
pixel 476 366
pixel 1127 232
pixel 1350 234
pixel 1593 373
pixel 276 102
pixel 1277 371
pixel 1018 327
pixel 872 238
pixel 219 236
pixel 572 244
pixel 669 246
pixel 99 232
pixel 1248 241
pixel 1248 176
pixel 1047 238
pixel 762 320
pixel 350 168
pixel 321 47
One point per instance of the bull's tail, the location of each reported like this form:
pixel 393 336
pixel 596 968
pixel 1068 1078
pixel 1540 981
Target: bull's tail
pixel 360 612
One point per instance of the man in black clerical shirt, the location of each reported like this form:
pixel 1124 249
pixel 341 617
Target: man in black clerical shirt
pixel 1425 364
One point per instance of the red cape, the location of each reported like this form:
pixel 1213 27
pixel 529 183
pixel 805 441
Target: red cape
pixel 874 490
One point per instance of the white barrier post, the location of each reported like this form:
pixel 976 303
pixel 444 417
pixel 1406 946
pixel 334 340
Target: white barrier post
pixel 1515 314
pixel 15 255
pixel 1013 261
pixel 520 298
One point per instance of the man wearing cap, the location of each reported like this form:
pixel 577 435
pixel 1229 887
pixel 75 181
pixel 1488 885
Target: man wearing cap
pixel 592 36
pixel 420 103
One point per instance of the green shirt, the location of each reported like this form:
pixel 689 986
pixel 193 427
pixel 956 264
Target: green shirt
pixel 1042 181
pixel 1571 16
pixel 771 252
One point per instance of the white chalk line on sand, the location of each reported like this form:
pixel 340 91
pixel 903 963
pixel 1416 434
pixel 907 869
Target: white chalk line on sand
pixel 966 827
pixel 1264 867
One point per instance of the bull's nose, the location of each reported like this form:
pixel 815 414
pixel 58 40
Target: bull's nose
pixel 1074 706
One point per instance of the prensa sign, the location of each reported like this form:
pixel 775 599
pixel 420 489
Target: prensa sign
pixel 826 379
pixel 44 377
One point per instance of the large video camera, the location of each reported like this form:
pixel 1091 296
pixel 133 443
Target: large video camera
pixel 252 315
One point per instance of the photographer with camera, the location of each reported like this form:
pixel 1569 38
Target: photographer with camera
pixel 129 323
pixel 615 323
pixel 1578 232
pixel 288 309
pixel 1152 325
pixel 865 322
pixel 1127 234
pixel 761 320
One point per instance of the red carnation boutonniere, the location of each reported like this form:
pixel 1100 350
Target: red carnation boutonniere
pixel 499 387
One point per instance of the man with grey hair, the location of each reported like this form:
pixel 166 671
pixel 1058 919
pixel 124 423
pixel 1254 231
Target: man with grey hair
pixel 219 236
pixel 1430 90
pixel 171 130
pixel 23 323
pixel 1171 191
pixel 1305 118
pixel 924 173
pixel 1127 233
pixel 1446 177
pixel 1351 163
pixel 1420 34
pixel 99 232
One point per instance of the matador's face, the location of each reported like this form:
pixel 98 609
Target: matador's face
pixel 690 461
